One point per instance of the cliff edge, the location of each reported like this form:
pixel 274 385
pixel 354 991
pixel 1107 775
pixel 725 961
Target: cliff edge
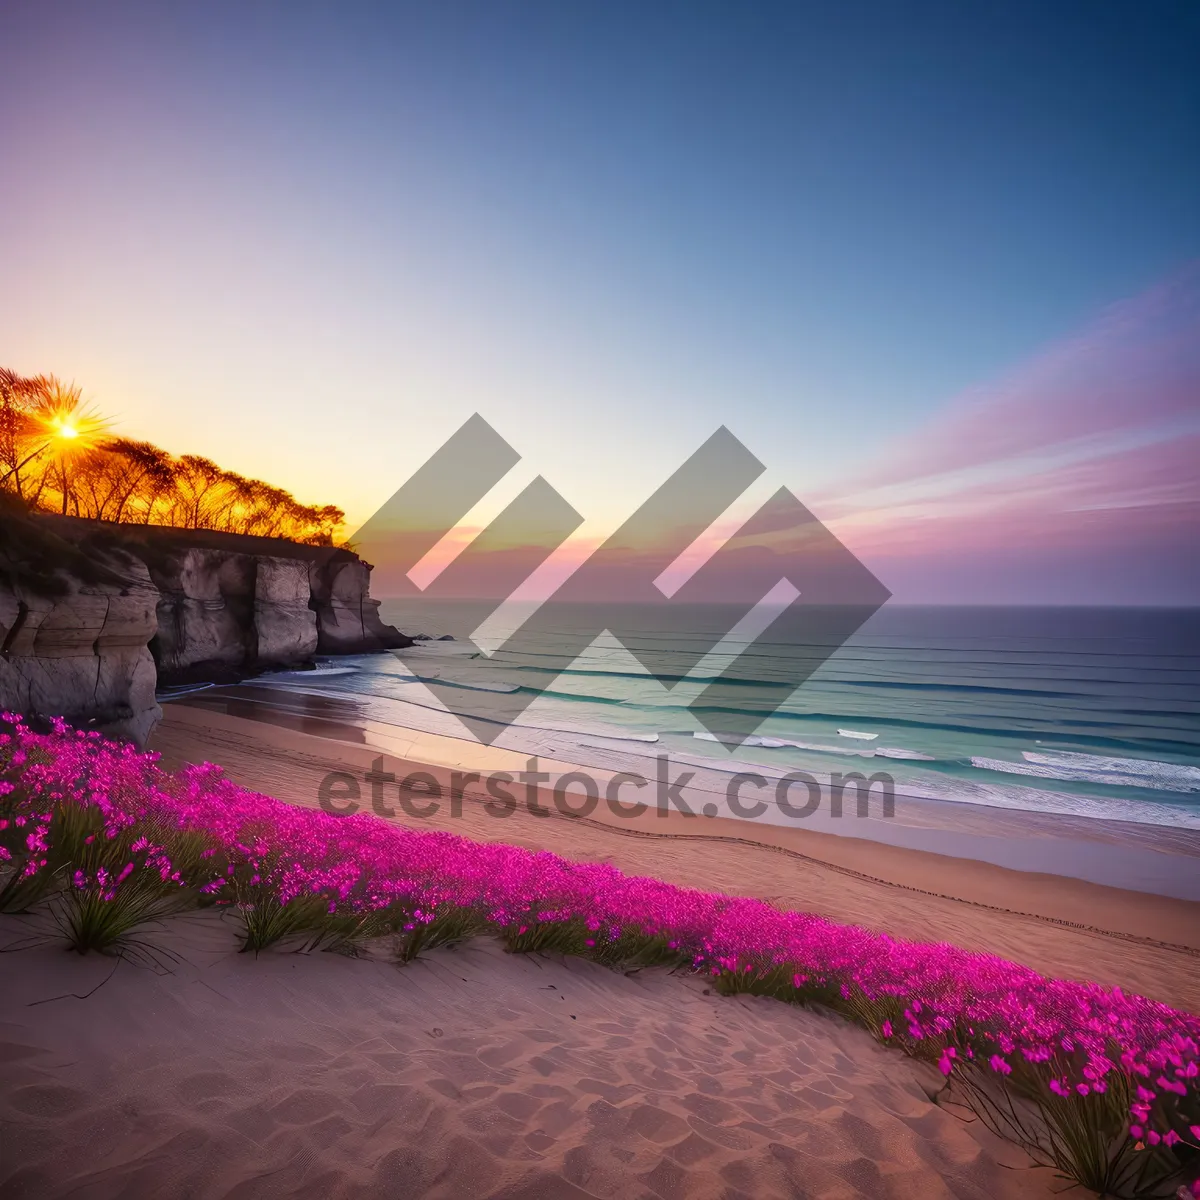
pixel 93 617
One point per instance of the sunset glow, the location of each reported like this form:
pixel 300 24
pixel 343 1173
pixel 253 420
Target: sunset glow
pixel 610 263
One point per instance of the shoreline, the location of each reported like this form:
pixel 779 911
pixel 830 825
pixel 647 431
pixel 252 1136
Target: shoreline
pixel 1057 925
pixel 341 719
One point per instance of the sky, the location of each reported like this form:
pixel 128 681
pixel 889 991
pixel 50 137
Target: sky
pixel 934 264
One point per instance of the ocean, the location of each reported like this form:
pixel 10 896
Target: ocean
pixel 1087 712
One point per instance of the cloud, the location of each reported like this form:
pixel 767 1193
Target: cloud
pixel 1065 474
pixel 1136 368
pixel 1071 480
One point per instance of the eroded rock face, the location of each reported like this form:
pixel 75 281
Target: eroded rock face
pixel 243 612
pixel 205 607
pixel 239 612
pixel 347 618
pixel 285 625
pixel 83 655
pixel 175 606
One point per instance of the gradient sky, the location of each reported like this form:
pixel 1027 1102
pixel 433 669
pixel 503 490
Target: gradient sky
pixel 872 239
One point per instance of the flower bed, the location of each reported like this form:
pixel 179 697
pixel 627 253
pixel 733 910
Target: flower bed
pixel 1101 1084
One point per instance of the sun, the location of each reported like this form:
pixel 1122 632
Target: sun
pixel 69 426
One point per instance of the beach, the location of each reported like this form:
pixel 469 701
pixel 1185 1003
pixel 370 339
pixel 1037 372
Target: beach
pixel 1060 926
pixel 467 1074
pixel 474 1073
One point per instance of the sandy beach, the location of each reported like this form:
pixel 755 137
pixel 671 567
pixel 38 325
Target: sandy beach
pixel 472 1073
pixel 467 1074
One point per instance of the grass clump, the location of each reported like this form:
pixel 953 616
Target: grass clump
pixel 448 925
pixel 107 882
pixel 267 921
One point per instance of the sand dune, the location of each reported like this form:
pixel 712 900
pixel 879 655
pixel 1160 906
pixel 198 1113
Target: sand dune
pixel 469 1073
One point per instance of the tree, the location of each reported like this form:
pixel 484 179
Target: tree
pixel 56 453
pixel 21 440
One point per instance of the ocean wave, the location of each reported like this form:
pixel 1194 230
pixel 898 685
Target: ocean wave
pixel 609 734
pixel 639 676
pixel 1091 730
pixel 435 677
pixel 772 743
pixel 599 671
pixel 1087 774
pixel 1136 811
pixel 171 691
pixel 1139 768
pixel 313 671
pixel 1164 736
pixel 1013 797
pixel 965 689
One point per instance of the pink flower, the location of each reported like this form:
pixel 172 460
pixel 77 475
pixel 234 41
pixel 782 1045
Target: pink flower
pixel 1079 1038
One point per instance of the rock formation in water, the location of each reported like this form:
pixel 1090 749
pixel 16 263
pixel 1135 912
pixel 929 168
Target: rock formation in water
pixel 348 619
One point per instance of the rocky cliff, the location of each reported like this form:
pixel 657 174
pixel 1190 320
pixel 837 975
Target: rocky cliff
pixel 93 618
pixel 75 628
pixel 231 606
pixel 221 612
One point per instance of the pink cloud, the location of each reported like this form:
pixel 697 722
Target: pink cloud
pixel 1073 479
pixel 1076 467
pixel 1137 367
